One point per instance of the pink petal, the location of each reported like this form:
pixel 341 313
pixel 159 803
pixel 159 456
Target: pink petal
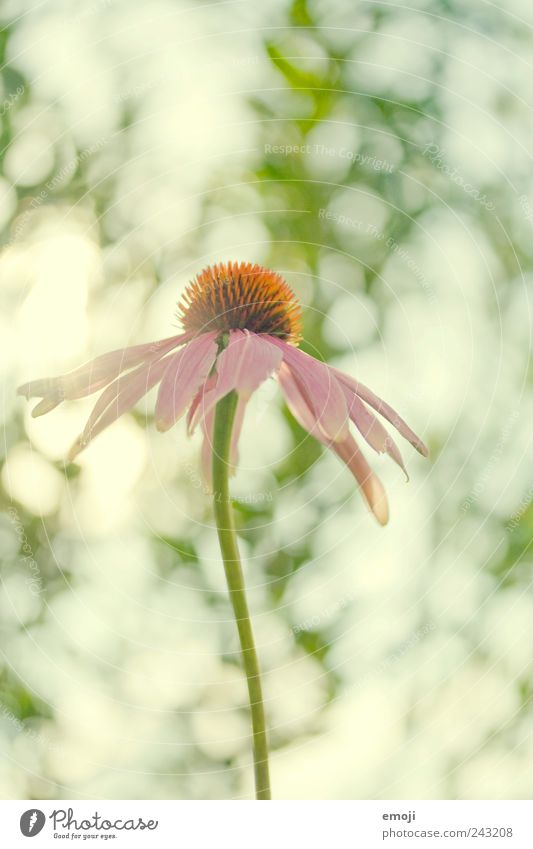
pixel 298 405
pixel 45 405
pixel 197 407
pixel 119 397
pixel 384 409
pixel 203 405
pixel 95 374
pixel 370 485
pixel 372 430
pixel 187 370
pixel 245 363
pixel 236 432
pixel 207 448
pixel 320 388
pixel 347 450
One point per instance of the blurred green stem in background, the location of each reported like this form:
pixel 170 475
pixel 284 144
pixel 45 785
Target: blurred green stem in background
pixel 224 418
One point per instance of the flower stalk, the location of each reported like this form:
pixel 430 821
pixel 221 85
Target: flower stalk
pixel 223 425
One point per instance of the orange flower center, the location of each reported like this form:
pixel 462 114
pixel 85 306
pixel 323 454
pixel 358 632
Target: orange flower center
pixel 239 295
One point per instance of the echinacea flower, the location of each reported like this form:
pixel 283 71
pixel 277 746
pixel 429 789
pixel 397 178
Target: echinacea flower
pixel 241 325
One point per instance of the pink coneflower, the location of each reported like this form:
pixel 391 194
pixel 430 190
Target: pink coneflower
pixel 241 326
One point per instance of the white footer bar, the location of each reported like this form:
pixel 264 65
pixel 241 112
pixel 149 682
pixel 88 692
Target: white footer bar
pixel 274 825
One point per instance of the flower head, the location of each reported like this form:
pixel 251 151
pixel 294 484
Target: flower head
pixel 241 296
pixel 241 326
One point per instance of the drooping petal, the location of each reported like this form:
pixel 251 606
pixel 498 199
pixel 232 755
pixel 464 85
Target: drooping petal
pixel 383 409
pixel 245 363
pixel 320 388
pixel 236 432
pixel 349 453
pixel 370 485
pixel 48 403
pixel 188 369
pixel 95 374
pixel 119 397
pixel 197 406
pixel 372 430
pixel 207 447
pixel 298 405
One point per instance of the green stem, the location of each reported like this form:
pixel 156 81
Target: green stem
pixel 224 418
